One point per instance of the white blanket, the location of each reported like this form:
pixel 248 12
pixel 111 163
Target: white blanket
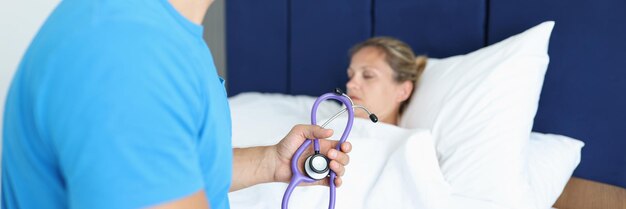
pixel 390 167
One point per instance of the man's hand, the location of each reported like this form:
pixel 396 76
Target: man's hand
pixel 286 148
pixel 255 165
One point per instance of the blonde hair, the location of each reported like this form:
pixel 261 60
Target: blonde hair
pixel 400 57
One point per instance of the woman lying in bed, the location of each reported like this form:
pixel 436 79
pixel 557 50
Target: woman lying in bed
pixel 382 76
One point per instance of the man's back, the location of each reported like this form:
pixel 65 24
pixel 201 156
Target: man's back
pixel 108 110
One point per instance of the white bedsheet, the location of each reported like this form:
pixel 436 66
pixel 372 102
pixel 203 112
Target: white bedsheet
pixel 372 177
pixel 390 167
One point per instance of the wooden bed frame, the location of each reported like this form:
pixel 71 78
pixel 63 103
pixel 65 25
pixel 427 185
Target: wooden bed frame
pixel 585 194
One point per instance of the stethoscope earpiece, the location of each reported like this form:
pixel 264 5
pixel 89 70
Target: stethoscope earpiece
pixel 374 118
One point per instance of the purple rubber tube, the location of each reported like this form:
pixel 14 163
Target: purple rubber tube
pixel 297 176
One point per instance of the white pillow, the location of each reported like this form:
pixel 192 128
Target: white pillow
pixel 551 161
pixel 480 108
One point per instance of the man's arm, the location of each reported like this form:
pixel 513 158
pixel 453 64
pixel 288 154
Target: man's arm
pixel 252 166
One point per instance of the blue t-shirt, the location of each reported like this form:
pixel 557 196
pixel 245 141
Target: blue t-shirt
pixel 116 104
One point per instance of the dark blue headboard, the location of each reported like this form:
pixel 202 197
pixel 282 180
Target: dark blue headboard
pixel 300 47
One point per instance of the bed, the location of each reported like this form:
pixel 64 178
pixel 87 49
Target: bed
pixel 300 48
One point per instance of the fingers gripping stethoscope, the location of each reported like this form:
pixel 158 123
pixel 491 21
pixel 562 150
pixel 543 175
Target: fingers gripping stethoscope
pixel 317 166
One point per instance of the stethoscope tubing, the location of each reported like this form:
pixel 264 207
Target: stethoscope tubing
pixel 297 176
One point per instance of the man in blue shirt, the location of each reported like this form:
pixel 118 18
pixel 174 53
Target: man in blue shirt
pixel 117 104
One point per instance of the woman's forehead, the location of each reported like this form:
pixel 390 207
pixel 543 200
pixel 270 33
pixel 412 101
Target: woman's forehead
pixel 370 66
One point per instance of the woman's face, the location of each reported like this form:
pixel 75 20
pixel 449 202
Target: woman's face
pixel 371 84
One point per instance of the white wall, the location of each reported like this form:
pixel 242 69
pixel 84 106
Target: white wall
pixel 19 21
pixel 215 35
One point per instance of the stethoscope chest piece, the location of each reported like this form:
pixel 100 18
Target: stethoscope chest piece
pixel 317 166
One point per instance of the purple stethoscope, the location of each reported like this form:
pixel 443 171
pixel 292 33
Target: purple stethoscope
pixel 317 166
